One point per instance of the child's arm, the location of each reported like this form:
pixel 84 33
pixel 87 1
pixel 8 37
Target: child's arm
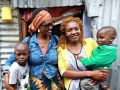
pixel 14 86
pixel 6 81
pixel 12 78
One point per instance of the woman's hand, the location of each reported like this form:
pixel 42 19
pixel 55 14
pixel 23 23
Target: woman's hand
pixel 99 75
pixel 6 81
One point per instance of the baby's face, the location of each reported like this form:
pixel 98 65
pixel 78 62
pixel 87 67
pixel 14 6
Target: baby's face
pixel 103 38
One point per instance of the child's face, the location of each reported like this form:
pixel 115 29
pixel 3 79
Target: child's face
pixel 103 37
pixel 22 55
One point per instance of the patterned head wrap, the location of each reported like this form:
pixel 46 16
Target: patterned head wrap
pixel 38 19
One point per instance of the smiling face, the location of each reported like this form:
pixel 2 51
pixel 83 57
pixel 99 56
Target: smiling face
pixel 105 36
pixel 22 53
pixel 46 26
pixel 72 31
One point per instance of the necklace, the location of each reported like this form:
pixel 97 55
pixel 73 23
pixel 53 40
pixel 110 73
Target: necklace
pixel 75 50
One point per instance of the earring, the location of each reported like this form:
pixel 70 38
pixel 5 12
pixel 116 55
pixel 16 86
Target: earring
pixel 38 30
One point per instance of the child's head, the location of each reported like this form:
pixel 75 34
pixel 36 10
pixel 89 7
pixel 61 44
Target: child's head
pixel 106 35
pixel 22 53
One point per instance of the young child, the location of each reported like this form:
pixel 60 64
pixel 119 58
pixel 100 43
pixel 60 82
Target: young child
pixel 102 57
pixel 19 70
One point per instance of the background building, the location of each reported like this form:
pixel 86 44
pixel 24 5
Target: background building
pixel 94 14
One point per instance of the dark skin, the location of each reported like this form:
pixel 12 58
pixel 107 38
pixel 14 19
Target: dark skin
pixel 72 31
pixel 104 36
pixel 43 38
pixel 44 34
pixel 6 81
pixel 21 53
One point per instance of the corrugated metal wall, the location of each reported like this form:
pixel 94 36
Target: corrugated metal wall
pixel 9 36
pixel 44 3
pixel 104 13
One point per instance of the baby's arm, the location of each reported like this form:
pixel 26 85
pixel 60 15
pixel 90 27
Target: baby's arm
pixel 79 57
pixel 100 57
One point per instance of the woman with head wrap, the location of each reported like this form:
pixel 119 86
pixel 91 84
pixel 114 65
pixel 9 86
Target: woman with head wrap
pixel 43 58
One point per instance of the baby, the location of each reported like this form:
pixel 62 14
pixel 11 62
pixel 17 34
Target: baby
pixel 102 57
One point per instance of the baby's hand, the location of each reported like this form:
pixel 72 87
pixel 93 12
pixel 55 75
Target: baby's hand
pixel 94 81
pixel 79 57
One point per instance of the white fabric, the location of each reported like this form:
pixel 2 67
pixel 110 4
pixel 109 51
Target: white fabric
pixel 61 73
pixel 75 64
pixel 19 74
pixel 93 7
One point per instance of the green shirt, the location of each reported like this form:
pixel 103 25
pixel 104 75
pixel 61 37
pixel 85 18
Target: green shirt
pixel 101 58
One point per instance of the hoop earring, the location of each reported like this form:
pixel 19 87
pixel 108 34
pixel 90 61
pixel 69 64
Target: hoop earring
pixel 38 30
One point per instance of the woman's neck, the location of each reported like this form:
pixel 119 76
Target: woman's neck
pixel 75 48
pixel 42 37
pixel 43 42
pixel 74 44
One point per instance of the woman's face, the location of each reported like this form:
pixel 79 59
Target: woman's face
pixel 46 26
pixel 72 31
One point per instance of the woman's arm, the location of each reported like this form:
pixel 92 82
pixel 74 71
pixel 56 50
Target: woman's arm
pixel 66 72
pixel 96 74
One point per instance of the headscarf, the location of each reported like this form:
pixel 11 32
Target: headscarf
pixel 38 19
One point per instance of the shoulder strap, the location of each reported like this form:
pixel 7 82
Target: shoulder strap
pixel 28 41
pixel 55 39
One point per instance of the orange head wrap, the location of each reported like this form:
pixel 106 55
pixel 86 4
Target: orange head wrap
pixel 38 19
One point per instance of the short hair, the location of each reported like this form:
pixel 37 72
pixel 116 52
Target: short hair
pixel 23 44
pixel 111 30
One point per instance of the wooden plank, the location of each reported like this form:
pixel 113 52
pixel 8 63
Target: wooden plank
pixel 24 29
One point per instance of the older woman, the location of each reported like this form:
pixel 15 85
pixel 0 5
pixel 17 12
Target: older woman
pixel 43 58
pixel 70 46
